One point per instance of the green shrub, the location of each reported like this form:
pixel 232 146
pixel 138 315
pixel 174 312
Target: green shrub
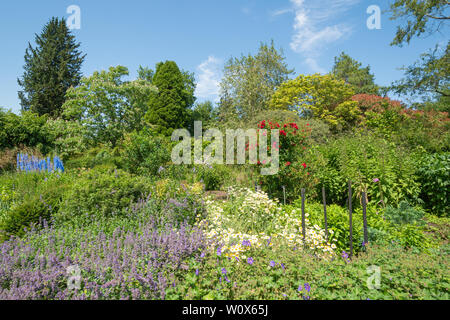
pixel 98 156
pixel 404 214
pixel 143 153
pixel 338 223
pixel 30 211
pixel 213 176
pixel 102 191
pixel 434 176
pixel 33 198
pixel 383 170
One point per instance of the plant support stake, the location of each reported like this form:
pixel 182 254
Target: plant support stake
pixel 325 211
pixel 350 216
pixel 364 204
pixel 303 214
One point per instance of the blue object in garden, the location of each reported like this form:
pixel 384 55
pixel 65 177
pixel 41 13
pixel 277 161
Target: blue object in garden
pixel 34 164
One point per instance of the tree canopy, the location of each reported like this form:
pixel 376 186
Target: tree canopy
pixel 318 96
pixel 107 105
pixel 352 72
pixel 424 16
pixel 169 108
pixel 50 69
pixel 249 82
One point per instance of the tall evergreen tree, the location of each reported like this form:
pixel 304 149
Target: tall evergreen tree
pixel 351 71
pixel 51 68
pixel 169 108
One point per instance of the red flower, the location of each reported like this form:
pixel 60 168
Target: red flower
pixel 283 133
pixel 288 163
pixel 304 165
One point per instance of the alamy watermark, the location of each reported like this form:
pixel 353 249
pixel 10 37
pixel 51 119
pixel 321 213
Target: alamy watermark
pixel 374 281
pixel 74 20
pixel 74 280
pixel 374 21
pixel 213 153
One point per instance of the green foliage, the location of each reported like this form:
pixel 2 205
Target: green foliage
pixel 249 82
pixel 348 69
pixel 69 138
pixel 99 156
pixel 102 191
pixel 213 176
pixel 404 214
pixel 50 69
pixel 383 170
pixel 107 106
pixel 27 129
pixel 144 154
pixel 429 75
pixel 421 17
pixel 322 97
pixel 433 172
pixel 204 112
pixel 33 198
pixel 168 109
pixel 404 275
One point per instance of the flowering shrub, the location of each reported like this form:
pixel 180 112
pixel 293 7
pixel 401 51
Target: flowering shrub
pixel 34 164
pixel 295 171
pixel 124 264
pixel 251 220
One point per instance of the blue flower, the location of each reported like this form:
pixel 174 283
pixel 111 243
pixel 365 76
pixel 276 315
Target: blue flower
pixel 272 263
pixel 246 243
pixel 307 287
pixel 300 288
pixel 224 271
pixel 250 260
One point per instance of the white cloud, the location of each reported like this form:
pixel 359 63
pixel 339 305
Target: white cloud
pixel 312 28
pixel 208 79
pixel 281 12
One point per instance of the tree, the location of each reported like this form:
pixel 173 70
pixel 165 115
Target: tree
pixel 424 16
pixel 108 106
pixel 429 75
pixel 169 108
pixel 249 82
pixel 350 70
pixel 323 97
pixel 204 112
pixel 50 69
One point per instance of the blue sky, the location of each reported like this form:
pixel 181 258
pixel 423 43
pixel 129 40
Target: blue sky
pixel 201 35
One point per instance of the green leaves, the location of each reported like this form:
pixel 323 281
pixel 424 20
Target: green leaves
pixel 322 97
pixel 50 69
pixel 168 109
pixel 434 175
pixel 249 82
pixel 107 106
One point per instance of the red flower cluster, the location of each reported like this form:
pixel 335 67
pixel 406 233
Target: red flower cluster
pixel 270 124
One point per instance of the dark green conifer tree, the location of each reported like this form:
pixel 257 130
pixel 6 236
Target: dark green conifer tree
pixel 170 108
pixel 50 69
